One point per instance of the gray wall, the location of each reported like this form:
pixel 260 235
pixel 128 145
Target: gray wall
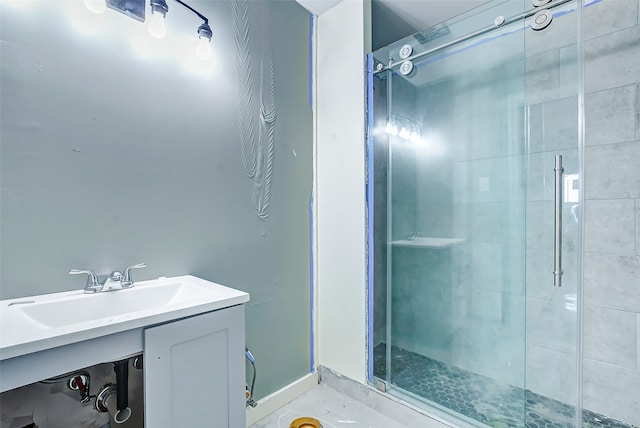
pixel 117 148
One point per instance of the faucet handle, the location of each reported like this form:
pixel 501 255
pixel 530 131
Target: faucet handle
pixel 127 280
pixel 92 280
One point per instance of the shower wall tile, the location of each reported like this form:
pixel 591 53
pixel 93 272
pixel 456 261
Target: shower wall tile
pixel 638 341
pixel 553 125
pixel 612 281
pixel 612 60
pixel 434 219
pixel 569 85
pixel 610 336
pixel 498 179
pixel 610 115
pixel 539 276
pixel 492 341
pixel 560 34
pixel 638 227
pixel 613 171
pixel 494 268
pixel 611 390
pixel 541 174
pixel 609 16
pixel 542 77
pixel 539 227
pixel 500 223
pixel 609 225
pixel 552 324
pixel 551 373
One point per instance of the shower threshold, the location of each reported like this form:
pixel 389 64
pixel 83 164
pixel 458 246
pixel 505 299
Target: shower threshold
pixel 478 397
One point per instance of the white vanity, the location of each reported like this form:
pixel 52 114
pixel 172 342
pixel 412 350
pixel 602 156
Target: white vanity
pixel 190 330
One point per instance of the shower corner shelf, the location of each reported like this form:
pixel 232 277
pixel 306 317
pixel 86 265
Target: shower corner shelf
pixel 426 242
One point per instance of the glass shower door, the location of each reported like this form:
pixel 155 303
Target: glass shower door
pixel 466 134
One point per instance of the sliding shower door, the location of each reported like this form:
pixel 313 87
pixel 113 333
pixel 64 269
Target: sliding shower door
pixel 475 217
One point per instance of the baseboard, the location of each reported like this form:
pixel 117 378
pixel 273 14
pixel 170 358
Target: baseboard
pixel 401 410
pixel 274 401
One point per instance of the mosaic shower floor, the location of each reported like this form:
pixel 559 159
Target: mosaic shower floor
pixel 479 397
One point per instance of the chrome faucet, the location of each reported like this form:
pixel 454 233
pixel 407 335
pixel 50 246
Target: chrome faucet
pixel 114 281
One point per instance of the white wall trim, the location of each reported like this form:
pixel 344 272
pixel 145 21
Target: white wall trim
pixel 340 188
pixel 276 400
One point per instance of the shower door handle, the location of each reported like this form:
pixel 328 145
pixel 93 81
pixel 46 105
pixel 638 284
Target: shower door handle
pixel 557 248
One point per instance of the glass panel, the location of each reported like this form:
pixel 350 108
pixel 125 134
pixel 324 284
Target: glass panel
pixel 552 87
pixel 464 221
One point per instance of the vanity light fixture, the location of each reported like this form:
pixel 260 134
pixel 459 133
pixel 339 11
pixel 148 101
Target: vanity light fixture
pixel 157 29
pixel 159 9
pixel 96 6
pixel 203 51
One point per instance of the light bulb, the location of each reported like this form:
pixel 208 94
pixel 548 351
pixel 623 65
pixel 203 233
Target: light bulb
pixel 156 26
pixel 96 6
pixel 203 51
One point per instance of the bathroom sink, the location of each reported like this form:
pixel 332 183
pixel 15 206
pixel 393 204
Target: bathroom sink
pixel 75 308
pixel 37 323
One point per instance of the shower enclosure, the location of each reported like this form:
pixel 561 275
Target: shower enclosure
pixel 504 215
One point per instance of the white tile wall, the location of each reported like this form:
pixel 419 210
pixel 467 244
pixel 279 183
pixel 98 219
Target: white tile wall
pixel 612 390
pixel 612 281
pixel 610 115
pixel 608 224
pixel 613 171
pixel 609 336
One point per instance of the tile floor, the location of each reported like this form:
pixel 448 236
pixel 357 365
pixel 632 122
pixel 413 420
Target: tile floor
pixel 331 408
pixel 479 397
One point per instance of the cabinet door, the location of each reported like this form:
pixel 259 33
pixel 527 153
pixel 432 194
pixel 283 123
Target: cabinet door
pixel 194 372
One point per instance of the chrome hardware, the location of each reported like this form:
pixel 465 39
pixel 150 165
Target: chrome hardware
pixel 499 21
pixel 405 51
pixel 76 381
pixel 557 250
pixel 103 398
pixel 114 281
pixel 127 280
pixel 541 20
pixel 406 68
pixel 138 362
pixel 93 285
pixel 538 3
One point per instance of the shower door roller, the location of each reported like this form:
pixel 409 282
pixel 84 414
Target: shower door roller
pixel 538 3
pixel 541 20
pixel 405 51
pixel 406 68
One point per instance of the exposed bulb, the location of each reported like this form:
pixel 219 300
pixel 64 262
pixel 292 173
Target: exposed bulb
pixel 203 50
pixel 156 26
pixel 96 6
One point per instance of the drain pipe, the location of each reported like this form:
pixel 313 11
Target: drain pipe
pixel 122 391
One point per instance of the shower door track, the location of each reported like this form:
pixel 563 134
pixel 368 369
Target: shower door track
pixel 473 35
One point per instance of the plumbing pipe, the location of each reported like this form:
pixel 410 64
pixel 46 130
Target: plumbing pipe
pixel 250 400
pixel 122 391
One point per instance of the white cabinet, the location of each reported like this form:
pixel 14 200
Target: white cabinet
pixel 194 371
